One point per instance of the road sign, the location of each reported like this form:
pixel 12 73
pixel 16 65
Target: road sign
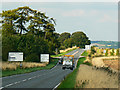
pixel 44 57
pixel 104 51
pixel 15 56
pixel 87 47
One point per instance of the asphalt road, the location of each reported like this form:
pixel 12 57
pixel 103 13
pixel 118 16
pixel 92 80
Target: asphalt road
pixel 40 79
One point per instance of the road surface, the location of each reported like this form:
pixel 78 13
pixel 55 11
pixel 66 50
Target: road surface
pixel 40 79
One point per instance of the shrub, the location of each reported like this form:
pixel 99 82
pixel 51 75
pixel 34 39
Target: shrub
pixel 117 53
pixel 106 54
pixel 93 50
pixel 112 53
pixel 62 47
pixel 32 58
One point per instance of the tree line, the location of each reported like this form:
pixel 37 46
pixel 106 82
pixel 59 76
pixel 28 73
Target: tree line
pixel 32 32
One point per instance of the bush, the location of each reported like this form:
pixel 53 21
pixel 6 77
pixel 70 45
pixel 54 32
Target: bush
pixel 117 53
pixel 112 53
pixel 32 58
pixel 106 54
pixel 62 47
pixel 93 50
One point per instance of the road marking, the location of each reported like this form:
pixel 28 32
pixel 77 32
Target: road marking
pixel 54 66
pixel 24 80
pixel 56 86
pixel 8 85
pixel 29 78
pixel 1 88
pixel 15 82
pixel 75 53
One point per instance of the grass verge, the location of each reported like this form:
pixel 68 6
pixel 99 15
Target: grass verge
pixel 27 70
pixel 85 53
pixel 70 80
pixel 61 54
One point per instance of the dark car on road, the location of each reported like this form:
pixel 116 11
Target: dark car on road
pixel 61 61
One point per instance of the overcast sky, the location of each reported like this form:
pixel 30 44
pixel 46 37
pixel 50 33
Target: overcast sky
pixel 98 20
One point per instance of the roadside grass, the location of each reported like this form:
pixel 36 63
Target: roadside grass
pixel 70 80
pixel 61 54
pixel 27 70
pixel 85 53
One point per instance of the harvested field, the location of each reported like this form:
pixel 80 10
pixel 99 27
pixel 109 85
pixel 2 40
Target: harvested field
pixel 91 77
pixel 111 62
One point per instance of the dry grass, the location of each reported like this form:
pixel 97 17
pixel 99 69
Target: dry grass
pixel 15 65
pixel 111 62
pixel 61 51
pixel 89 77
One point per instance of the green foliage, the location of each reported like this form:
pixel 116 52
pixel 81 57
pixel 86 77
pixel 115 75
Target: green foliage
pixel 64 36
pixel 112 53
pixel 32 58
pixel 32 32
pixel 28 31
pixel 85 53
pixel 80 39
pixel 106 53
pixel 68 42
pixel 62 47
pixel 93 50
pixel 9 44
pixel 117 53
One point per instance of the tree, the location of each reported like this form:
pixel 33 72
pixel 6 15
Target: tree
pixel 28 31
pixel 9 44
pixel 68 42
pixel 106 53
pixel 80 39
pixel 93 50
pixel 64 36
pixel 112 53
pixel 117 52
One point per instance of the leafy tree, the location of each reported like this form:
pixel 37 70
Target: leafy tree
pixel 9 44
pixel 80 39
pixel 68 42
pixel 64 36
pixel 106 53
pixel 28 31
pixel 112 53
pixel 117 52
pixel 93 50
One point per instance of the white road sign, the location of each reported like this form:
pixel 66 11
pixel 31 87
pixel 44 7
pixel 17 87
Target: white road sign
pixel 87 47
pixel 104 51
pixel 15 56
pixel 44 57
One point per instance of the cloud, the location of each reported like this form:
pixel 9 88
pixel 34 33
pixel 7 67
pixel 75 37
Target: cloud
pixel 74 13
pixel 107 18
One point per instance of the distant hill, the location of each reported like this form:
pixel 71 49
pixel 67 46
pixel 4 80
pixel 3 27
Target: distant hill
pixel 106 44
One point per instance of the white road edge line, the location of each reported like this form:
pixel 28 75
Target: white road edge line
pixel 9 85
pixel 1 88
pixel 56 86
